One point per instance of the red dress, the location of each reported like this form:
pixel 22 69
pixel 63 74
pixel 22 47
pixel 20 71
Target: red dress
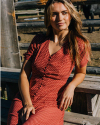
pixel 48 80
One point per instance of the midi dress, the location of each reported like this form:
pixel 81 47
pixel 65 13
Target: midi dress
pixel 47 83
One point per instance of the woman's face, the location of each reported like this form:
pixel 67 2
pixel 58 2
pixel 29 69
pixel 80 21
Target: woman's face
pixel 60 17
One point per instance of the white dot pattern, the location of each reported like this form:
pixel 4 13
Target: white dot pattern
pixel 49 77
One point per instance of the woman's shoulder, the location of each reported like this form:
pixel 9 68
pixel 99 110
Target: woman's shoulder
pixel 81 42
pixel 40 38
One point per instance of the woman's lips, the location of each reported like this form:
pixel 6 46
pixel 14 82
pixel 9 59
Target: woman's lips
pixel 60 24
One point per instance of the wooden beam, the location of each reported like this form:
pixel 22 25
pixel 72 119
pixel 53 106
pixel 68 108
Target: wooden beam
pixel 88 86
pixel 94 46
pixel 28 5
pixel 91 70
pixel 90 23
pixel 91 84
pixel 22 12
pixel 32 24
pixel 81 119
pixel 9 39
pixel 86 23
pixel 37 4
pixel 81 2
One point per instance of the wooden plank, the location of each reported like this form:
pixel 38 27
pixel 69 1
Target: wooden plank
pixel 27 5
pixel 20 12
pixel 67 123
pixel 81 2
pixel 37 4
pixel 86 86
pixel 94 46
pixel 92 70
pixel 32 24
pixel 29 12
pixel 9 39
pixel 86 23
pixel 98 113
pixel 90 22
pixel 89 104
pixel 79 103
pixel 97 106
pixel 93 100
pixel 80 119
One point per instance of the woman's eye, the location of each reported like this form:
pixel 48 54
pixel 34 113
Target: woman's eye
pixel 54 14
pixel 64 13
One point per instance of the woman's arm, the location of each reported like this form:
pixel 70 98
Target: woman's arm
pixel 67 96
pixel 24 90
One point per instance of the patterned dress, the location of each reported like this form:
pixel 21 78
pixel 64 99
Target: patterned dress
pixel 48 80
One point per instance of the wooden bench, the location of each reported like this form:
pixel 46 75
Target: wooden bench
pixel 87 94
pixel 29 12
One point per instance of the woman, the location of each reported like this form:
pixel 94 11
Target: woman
pixel 51 59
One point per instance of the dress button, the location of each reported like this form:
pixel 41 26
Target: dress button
pixel 34 93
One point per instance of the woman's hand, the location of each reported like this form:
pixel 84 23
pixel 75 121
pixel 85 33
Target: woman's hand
pixel 27 110
pixel 67 97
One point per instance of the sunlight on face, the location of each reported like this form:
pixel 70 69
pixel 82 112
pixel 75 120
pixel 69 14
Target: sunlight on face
pixel 60 17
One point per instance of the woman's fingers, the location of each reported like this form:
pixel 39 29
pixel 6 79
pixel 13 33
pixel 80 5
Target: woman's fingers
pixel 71 101
pixel 62 103
pixel 65 103
pixel 23 115
pixel 33 110
pixel 28 113
pixel 30 110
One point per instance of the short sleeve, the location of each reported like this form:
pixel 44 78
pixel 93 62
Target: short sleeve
pixel 29 55
pixel 84 55
pixel 84 61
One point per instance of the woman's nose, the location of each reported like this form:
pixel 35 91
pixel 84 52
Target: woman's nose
pixel 59 17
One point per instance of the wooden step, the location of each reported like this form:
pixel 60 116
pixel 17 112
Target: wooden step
pixel 79 119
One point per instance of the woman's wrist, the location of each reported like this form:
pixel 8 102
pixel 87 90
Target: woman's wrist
pixel 28 105
pixel 71 85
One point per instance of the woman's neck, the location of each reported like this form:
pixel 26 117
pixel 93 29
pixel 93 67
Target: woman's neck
pixel 59 37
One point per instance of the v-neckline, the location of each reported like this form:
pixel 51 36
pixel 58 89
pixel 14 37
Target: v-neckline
pixel 56 51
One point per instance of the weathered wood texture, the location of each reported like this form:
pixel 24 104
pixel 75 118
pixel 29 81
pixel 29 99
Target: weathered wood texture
pixel 91 84
pixel 28 5
pixel 9 78
pixel 92 70
pixel 76 2
pixel 20 12
pixel 31 24
pixel 9 38
pixel 37 4
pixel 24 12
pixel 90 22
pixel 86 23
pixel 80 119
pixel 94 46
pixel 95 101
